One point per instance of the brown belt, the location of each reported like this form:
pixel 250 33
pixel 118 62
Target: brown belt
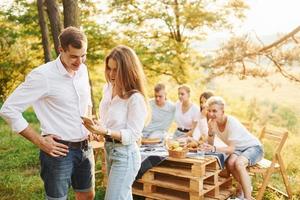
pixel 109 139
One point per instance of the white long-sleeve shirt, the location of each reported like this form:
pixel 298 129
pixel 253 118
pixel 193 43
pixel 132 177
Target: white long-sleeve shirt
pixel 125 115
pixel 58 100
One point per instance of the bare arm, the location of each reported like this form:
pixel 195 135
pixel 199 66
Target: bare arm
pixel 228 150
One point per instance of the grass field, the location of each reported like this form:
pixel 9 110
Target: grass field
pixel 277 90
pixel 19 161
pixel 19 164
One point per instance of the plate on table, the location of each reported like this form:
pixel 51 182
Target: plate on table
pixel 192 149
pixel 150 141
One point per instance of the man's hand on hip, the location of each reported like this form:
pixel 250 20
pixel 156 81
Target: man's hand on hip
pixel 47 143
pixel 52 147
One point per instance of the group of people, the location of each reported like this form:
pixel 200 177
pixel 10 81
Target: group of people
pixel 191 121
pixel 59 93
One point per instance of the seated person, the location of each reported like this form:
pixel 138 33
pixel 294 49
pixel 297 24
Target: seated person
pixel 202 100
pixel 162 114
pixel 244 149
pixel 202 123
pixel 186 115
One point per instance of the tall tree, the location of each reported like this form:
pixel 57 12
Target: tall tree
pixel 54 18
pixel 20 48
pixel 164 31
pixel 244 57
pixel 44 30
pixel 71 13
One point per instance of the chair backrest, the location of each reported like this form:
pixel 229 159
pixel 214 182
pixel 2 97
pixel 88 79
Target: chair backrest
pixel 276 136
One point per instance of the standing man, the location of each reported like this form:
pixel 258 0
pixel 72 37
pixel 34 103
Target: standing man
pixel 59 92
pixel 163 112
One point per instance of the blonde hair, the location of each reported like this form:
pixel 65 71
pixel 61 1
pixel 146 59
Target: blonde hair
pixel 216 100
pixel 130 76
pixel 186 88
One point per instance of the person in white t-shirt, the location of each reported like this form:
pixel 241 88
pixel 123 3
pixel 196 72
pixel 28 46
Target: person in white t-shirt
pixel 202 124
pixel 186 115
pixel 243 147
pixel 162 114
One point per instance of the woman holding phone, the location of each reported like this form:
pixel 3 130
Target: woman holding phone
pixel 123 113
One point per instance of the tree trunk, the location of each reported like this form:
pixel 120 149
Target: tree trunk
pixel 44 31
pixel 71 18
pixel 53 14
pixel 92 94
pixel 71 13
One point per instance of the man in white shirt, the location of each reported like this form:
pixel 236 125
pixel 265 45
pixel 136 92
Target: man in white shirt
pixel 162 114
pixel 59 92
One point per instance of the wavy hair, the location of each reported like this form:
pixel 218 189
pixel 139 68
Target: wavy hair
pixel 130 77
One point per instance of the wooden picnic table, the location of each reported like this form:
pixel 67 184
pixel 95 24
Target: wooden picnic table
pixel 181 179
pixel 184 178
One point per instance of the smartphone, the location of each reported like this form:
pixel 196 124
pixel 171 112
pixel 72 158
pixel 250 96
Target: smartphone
pixel 87 120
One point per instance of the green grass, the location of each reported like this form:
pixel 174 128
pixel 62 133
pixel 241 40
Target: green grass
pixel 19 164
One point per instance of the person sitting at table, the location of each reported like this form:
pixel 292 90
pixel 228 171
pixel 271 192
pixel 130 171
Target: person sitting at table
pixel 202 124
pixel 202 100
pixel 186 115
pixel 244 149
pixel 163 112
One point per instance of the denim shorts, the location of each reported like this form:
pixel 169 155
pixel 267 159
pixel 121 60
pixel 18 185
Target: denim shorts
pixel 253 154
pixel 123 163
pixel 59 173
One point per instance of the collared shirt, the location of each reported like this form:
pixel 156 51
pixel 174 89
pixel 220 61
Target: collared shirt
pixel 58 100
pixel 125 115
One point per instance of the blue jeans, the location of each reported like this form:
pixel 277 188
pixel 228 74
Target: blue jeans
pixel 59 173
pixel 178 134
pixel 123 164
pixel 253 154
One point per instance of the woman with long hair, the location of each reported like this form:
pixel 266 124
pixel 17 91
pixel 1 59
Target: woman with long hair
pixel 123 113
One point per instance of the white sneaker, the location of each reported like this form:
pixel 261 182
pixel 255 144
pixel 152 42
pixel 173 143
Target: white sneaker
pixel 242 196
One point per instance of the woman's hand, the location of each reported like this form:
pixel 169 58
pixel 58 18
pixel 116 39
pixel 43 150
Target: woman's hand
pixel 92 126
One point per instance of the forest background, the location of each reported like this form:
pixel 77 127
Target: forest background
pixel 258 76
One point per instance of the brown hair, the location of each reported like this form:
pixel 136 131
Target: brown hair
pixel 72 36
pixel 130 77
pixel 158 87
pixel 206 95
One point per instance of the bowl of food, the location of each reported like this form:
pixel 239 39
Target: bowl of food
pixel 192 146
pixel 177 151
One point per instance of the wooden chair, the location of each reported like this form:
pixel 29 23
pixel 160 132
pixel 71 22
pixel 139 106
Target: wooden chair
pixel 268 167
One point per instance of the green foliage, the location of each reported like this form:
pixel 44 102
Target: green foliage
pixel 19 45
pixel 163 31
